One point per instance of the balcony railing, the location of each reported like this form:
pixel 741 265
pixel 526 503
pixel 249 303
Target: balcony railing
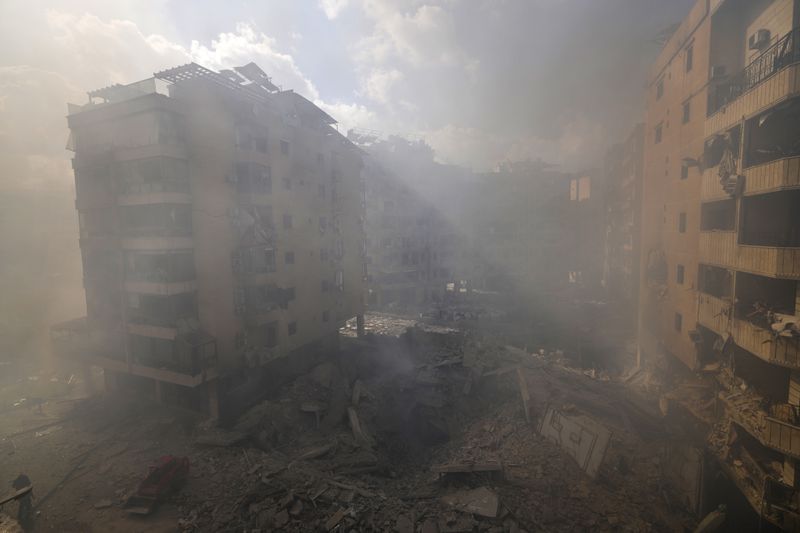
pixel 783 53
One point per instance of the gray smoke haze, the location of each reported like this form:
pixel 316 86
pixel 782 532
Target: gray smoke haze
pixel 481 81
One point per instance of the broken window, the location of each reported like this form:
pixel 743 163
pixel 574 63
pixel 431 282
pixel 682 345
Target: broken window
pixel 161 310
pixel 771 219
pixel 265 335
pixel 773 134
pixel 159 267
pixel 718 216
pixel 759 297
pixel 156 220
pixel 157 174
pixel 253 178
pixel 715 281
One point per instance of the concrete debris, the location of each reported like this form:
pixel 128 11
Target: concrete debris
pixel 480 501
pixel 582 438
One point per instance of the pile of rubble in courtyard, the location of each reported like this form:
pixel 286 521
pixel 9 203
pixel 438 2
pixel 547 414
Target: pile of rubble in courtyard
pixel 436 431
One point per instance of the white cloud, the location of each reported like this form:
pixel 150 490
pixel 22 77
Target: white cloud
pixel 332 8
pixel 349 115
pixel 379 83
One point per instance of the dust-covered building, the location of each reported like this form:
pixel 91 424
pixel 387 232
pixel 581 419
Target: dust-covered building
pixel 221 229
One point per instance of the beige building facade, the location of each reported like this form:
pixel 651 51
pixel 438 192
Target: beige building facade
pixel 221 225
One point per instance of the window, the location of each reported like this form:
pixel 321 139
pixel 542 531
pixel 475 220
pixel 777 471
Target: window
pixel 687 111
pixel 660 89
pixel 684 172
pixel 326 285
pixel 287 184
pixel 326 316
pixel 682 223
pixel 679 274
pixel 678 322
pixel 323 254
pixel 285 147
pixel 292 328
pixel 287 221
pixel 288 258
pixel 290 294
pixel 689 58
pixel 658 134
pixel 261 144
pixel 323 223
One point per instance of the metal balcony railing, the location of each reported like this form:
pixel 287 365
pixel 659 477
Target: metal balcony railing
pixel 783 53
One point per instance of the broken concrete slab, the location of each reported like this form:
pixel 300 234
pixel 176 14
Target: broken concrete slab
pixel 481 501
pixel 584 439
pixel 362 438
pixel 468 467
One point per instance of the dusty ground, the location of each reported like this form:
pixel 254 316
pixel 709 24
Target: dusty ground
pixel 424 400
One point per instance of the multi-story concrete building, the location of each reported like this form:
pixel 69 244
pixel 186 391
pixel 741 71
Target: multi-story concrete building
pixel 673 133
pixel 749 248
pixel 221 229
pixel 721 233
pixel 411 251
pixel 623 176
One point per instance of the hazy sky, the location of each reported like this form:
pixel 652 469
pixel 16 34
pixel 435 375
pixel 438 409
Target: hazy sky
pixel 481 80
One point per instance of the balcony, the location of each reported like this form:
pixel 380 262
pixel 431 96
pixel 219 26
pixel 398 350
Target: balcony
pixel 763 344
pixel 771 77
pixel 194 361
pixel 720 248
pixel 714 313
pixel 161 288
pixel 783 436
pixel 774 176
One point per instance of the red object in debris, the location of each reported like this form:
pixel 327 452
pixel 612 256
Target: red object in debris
pixel 165 477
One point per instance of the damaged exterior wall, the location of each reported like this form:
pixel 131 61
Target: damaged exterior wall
pixel 736 292
pixel 221 229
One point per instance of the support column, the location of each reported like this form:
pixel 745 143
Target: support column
pixel 360 324
pixel 213 400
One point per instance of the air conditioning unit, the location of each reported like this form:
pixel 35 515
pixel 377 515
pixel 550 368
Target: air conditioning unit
pixel 758 40
pixel 717 72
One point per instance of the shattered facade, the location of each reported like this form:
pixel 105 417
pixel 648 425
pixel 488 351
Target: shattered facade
pixel 720 251
pixel 221 228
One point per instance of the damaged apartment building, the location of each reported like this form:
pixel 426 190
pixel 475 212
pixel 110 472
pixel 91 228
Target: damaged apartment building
pixel 720 288
pixel 221 229
pixel 412 249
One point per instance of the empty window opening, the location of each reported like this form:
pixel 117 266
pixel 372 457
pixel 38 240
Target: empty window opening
pixel 715 281
pixel 718 216
pixel 771 219
pixel 678 322
pixel 687 111
pixel 658 133
pixel 660 89
pixel 253 178
pixel 679 274
pixel 689 58
pixel 292 328
pixel 774 134
pixel 758 296
pixel 265 335
pixel 682 223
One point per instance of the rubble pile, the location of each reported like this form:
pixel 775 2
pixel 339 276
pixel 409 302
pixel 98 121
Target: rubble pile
pixel 428 432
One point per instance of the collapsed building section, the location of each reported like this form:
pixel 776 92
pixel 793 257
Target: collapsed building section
pixel 221 229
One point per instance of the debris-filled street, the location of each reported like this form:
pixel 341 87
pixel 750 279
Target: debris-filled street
pixel 428 430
